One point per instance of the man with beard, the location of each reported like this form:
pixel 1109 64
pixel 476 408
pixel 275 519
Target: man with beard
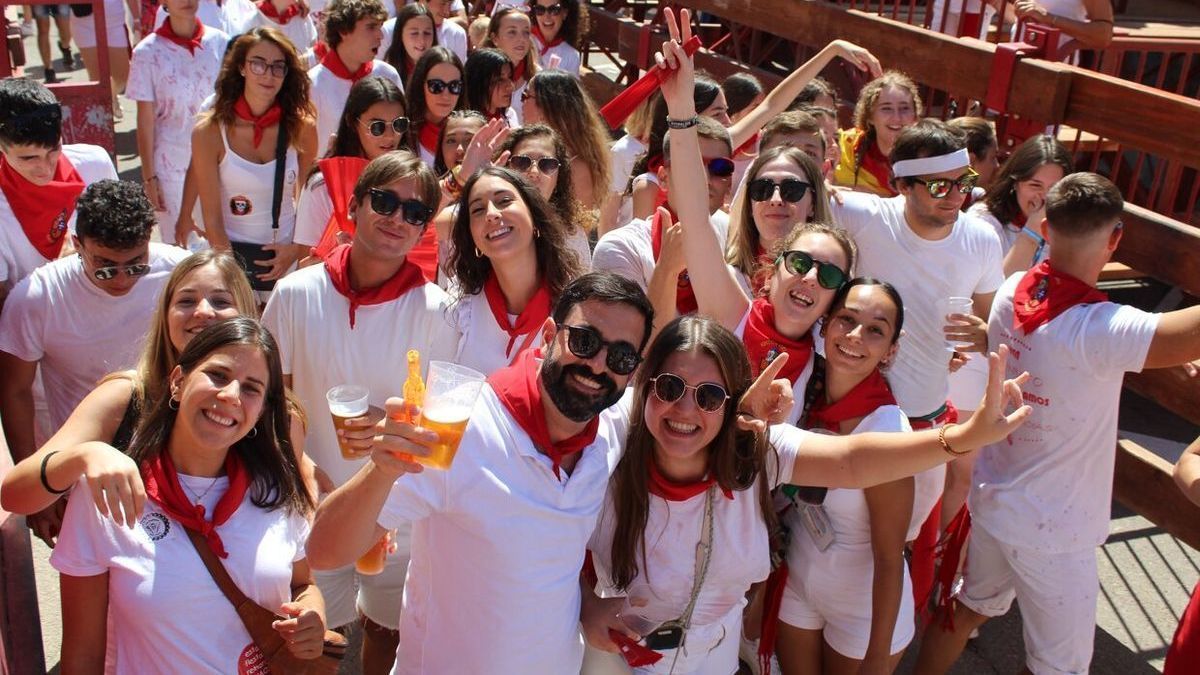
pixel 498 540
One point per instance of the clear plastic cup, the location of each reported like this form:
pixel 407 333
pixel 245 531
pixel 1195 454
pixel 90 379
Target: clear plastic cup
pixel 347 402
pixel 450 393
pixel 957 305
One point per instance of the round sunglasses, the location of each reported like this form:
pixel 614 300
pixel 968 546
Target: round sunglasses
pixel 584 342
pixel 791 190
pixel 436 86
pixel 669 388
pixel 379 127
pixel 939 188
pixel 387 203
pixel 829 276
pixel 523 163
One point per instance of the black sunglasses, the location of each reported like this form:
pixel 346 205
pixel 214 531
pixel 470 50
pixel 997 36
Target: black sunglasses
pixel 622 358
pixel 669 388
pixel 721 167
pixel 940 187
pixel 436 87
pixel 387 203
pixel 799 263
pixel 791 190
pixel 379 127
pixel 552 10
pixel 523 163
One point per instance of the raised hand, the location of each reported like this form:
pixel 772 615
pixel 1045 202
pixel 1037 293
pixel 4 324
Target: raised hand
pixel 768 400
pixel 990 423
pixel 680 82
pixel 861 58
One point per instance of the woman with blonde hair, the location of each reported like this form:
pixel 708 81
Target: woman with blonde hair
pixel 886 106
pixel 556 99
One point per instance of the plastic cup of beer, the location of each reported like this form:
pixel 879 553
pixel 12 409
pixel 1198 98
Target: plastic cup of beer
pixel 450 393
pixel 957 305
pixel 375 559
pixel 347 402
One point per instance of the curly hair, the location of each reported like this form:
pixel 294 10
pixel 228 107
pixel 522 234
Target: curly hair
pixel 341 16
pixel 396 54
pixel 293 98
pixel 563 198
pixel 29 114
pixel 571 112
pixel 866 106
pixel 115 214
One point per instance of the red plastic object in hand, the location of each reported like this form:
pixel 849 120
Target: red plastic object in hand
pixel 622 105
pixel 635 655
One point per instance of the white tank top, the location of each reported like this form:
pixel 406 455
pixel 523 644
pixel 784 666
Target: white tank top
pixel 247 189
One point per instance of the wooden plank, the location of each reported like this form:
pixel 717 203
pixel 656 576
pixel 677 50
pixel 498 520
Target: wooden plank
pixel 717 65
pixel 1170 388
pixel 1115 271
pixel 1142 481
pixel 1165 248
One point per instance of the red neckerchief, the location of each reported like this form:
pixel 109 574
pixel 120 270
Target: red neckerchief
pixel 261 122
pixel 424 254
pixel 685 295
pixel 764 342
pixel 749 146
pixel 528 322
pixel 268 10
pixel 334 63
pixel 429 137
pixel 866 396
pixel 622 105
pixel 43 210
pixel 189 43
pixel 518 74
pixel 405 279
pixel 517 388
pixel 163 488
pixel 1020 220
pixel 1044 293
pixel 340 174
pixel 320 50
pixel 876 164
pixel 661 486
pixel 546 46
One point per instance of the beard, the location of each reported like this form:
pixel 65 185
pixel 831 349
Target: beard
pixel 572 403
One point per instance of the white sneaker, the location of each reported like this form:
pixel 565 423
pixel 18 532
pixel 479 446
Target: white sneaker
pixel 28 28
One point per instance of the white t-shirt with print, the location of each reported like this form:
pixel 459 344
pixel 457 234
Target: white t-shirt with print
pixel 569 58
pixel 76 332
pixel 1049 485
pixel 497 545
pixel 18 257
pixel 965 263
pixel 629 250
pixel 310 320
pixel 329 93
pixel 167 615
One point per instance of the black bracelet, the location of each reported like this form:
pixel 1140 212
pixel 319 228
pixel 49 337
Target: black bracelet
pixel 683 124
pixel 46 483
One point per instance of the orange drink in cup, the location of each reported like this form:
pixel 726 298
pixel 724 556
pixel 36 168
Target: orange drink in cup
pixel 373 561
pixel 450 394
pixel 347 402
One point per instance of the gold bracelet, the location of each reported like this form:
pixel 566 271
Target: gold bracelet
pixel 946 444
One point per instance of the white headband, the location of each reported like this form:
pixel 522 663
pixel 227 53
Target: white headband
pixel 924 166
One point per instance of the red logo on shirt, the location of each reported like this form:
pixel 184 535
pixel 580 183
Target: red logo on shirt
pixel 240 205
pixel 251 662
pixel 59 228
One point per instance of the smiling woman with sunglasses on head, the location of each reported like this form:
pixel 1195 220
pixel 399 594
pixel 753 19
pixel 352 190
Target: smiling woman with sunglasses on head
pixel 434 91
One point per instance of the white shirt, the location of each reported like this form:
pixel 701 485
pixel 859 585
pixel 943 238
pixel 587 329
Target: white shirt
pixel 313 211
pixel 453 37
pixel 310 320
pixel 625 151
pixel 329 93
pixel 233 17
pixel 629 250
pixel 483 342
pixel 299 29
pixel 1049 485
pixel 167 613
pixel 18 257
pixel 965 263
pixel 569 58
pixel 76 332
pixel 176 82
pixel 498 542
pixel 247 194
pixel 1008 235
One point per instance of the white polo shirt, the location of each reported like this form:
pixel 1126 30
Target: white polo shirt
pixel 498 543
pixel 1049 485
pixel 329 93
pixel 18 257
pixel 629 250
pixel 76 332
pixel 965 263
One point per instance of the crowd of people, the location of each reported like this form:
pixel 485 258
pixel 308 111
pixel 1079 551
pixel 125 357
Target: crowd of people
pixel 760 391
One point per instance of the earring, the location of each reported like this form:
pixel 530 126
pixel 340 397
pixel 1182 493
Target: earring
pixel 172 403
pixel 537 234
pixel 478 253
pixel 253 432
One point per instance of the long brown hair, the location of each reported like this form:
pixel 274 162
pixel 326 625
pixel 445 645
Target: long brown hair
pixel 293 98
pixel 1034 153
pixel 571 112
pixel 415 92
pixel 572 213
pixel 866 105
pixel 736 458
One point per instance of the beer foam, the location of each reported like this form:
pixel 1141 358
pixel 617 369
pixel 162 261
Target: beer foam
pixel 446 414
pixel 351 409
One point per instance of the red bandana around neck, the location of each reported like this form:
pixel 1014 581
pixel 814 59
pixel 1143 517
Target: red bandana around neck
pixel 764 342
pixel 282 18
pixel 873 392
pixel 537 310
pixel 685 295
pixel 518 73
pixel 337 265
pixel 189 43
pixel 546 46
pixel 429 137
pixel 321 50
pixel 261 122
pixel 661 486
pixel 43 210
pixel 1044 293
pixel 340 174
pixel 334 63
pixel 517 388
pixel 163 488
pixel 876 164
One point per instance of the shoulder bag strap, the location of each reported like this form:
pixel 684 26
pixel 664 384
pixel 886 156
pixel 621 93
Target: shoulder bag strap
pixel 216 569
pixel 281 147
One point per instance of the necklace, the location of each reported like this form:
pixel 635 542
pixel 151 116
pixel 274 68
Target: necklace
pixel 199 497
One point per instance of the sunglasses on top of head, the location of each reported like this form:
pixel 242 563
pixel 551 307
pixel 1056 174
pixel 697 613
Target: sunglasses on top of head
pixel 939 188
pixel 387 203
pixel 669 388
pixel 379 127
pixel 436 86
pixel 552 10
pixel 791 190
pixel 584 342
pixel 829 276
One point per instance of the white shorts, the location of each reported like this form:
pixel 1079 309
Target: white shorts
pixel 713 651
pixel 1057 592
pixel 83 28
pixel 844 615
pixel 378 596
